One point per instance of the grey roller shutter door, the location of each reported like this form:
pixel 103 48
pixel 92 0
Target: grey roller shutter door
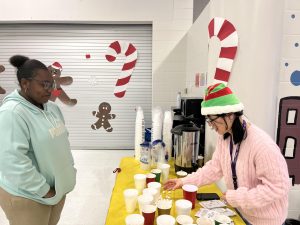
pixel 94 79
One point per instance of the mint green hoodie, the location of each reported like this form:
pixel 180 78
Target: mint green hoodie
pixel 34 150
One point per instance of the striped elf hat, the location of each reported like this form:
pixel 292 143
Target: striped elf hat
pixel 219 99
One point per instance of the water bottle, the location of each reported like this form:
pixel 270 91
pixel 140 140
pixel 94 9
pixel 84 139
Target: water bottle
pixel 158 154
pixel 145 158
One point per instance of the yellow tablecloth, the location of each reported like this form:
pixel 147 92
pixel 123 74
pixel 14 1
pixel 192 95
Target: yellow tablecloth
pixel 129 166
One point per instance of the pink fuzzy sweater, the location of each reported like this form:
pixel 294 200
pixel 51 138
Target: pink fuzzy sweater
pixel 263 179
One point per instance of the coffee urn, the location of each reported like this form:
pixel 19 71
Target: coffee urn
pixel 186 147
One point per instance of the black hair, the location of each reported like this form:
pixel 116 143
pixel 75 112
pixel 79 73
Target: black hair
pixel 239 133
pixel 26 68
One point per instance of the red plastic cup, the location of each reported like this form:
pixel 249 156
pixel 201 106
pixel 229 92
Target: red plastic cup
pixel 189 193
pixel 149 214
pixel 150 177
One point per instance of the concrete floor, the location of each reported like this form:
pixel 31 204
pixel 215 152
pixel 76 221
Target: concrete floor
pixel 88 203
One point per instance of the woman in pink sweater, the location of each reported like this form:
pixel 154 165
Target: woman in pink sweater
pixel 251 163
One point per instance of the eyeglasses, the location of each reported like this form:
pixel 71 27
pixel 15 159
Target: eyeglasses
pixel 210 121
pixel 46 84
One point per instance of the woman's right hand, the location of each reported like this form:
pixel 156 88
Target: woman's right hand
pixel 173 184
pixel 51 193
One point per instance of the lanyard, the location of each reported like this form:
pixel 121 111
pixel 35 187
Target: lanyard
pixel 234 160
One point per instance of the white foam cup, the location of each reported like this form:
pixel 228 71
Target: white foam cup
pixel 134 219
pixel 144 200
pixel 165 169
pixel 153 192
pixel 130 197
pixel 183 207
pixel 164 206
pixel 165 220
pixel 184 219
pixel 140 182
pixel 155 185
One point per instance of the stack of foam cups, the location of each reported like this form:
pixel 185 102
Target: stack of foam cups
pixel 167 135
pixel 157 117
pixel 139 132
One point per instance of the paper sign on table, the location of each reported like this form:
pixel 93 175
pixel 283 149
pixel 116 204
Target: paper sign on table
pixel 224 211
pixel 212 204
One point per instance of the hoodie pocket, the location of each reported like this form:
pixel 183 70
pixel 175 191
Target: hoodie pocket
pixel 65 181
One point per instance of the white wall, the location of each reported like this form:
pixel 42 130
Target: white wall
pixel 290 62
pixel 197 52
pixel 255 70
pixel 170 18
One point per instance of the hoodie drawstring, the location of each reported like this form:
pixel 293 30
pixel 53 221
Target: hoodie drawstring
pixel 55 123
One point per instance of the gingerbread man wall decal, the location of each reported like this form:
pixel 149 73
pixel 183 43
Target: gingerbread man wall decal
pixel 56 69
pixel 103 115
pixel 2 91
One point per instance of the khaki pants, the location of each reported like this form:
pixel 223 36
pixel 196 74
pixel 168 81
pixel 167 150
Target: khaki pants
pixel 23 211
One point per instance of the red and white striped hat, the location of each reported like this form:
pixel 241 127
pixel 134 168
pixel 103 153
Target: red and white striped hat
pixel 220 99
pixel 57 66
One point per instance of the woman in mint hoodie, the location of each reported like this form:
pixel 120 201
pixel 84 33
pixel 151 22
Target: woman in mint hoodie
pixel 36 165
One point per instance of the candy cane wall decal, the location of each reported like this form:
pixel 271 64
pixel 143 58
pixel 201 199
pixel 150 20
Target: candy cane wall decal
pixel 228 37
pixel 130 52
